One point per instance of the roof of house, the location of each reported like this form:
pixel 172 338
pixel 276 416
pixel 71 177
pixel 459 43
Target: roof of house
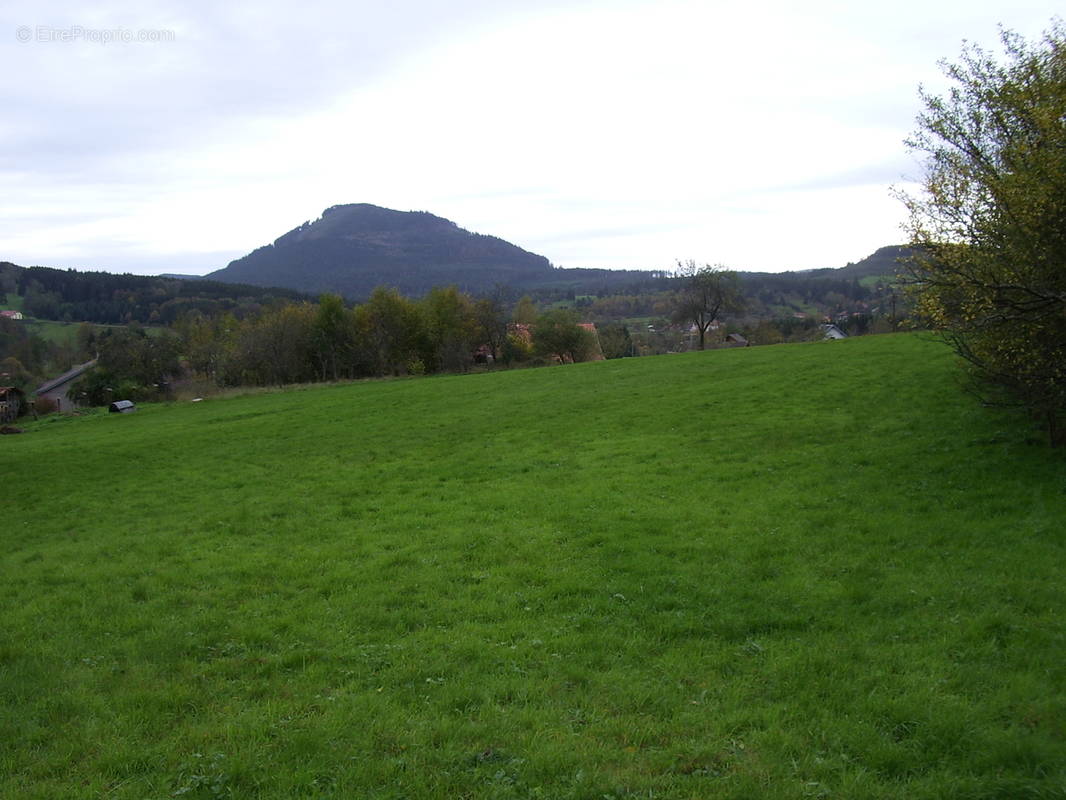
pixel 12 314
pixel 66 377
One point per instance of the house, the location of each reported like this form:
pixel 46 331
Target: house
pixel 11 314
pixel 833 332
pixel 12 403
pixel 736 340
pixel 57 389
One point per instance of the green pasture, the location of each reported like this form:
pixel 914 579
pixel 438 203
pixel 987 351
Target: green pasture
pixel 802 571
pixel 10 301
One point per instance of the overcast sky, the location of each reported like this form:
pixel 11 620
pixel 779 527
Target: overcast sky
pixel 598 134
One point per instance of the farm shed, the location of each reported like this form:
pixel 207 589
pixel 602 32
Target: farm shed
pixel 833 332
pixel 736 340
pixel 12 403
pixel 121 407
pixel 57 389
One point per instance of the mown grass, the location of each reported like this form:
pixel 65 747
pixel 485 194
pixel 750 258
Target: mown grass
pixel 66 333
pixel 796 571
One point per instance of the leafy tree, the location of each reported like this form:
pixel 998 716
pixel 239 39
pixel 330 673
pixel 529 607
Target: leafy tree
pixel 333 336
pixel 13 373
pixel 991 221
pixel 491 324
pixel 296 344
pixel 450 328
pixel 132 366
pixel 516 348
pixel 615 341
pixel 206 343
pixel 706 292
pixel 390 333
pixel 525 311
pixel 558 334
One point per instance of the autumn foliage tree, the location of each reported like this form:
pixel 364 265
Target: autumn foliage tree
pixel 990 223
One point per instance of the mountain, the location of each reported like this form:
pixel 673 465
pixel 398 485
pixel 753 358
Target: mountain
pixel 354 248
pixel 883 261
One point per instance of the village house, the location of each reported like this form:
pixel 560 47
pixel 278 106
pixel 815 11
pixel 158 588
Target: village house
pixel 11 314
pixel 58 389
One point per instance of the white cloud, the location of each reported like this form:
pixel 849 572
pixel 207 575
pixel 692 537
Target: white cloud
pixel 624 134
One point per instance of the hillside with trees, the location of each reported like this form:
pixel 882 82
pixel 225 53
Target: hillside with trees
pixel 69 295
pixel 352 249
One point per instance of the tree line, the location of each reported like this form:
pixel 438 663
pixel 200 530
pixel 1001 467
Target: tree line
pixel 446 331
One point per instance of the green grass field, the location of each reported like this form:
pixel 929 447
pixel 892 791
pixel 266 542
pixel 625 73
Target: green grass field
pixel 56 332
pixel 800 571
pixel 65 333
pixel 10 301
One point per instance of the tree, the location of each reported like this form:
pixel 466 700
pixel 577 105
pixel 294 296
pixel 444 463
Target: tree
pixel 132 366
pixel 491 323
pixel 706 292
pixel 390 334
pixel 332 335
pixel 990 223
pixel 557 333
pixel 525 311
pixel 450 329
pixel 615 340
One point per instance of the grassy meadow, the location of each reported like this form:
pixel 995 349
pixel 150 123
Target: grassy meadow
pixel 802 571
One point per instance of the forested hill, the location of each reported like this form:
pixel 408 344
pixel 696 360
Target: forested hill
pixel 883 261
pixel 103 297
pixel 352 249
pixel 66 294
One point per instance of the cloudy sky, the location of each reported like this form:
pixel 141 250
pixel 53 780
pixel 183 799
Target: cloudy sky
pixel 164 136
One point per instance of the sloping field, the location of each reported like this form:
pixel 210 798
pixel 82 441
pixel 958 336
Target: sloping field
pixel 789 572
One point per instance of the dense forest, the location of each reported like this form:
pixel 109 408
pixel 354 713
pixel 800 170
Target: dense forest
pixel 69 295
